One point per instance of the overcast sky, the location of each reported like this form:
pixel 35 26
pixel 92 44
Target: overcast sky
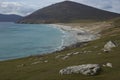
pixel 25 7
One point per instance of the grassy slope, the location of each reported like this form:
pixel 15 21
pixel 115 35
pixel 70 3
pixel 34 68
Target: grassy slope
pixel 50 70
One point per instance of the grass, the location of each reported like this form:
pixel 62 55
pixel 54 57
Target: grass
pixel 10 70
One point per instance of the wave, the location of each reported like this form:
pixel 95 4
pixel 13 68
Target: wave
pixel 72 36
pixel 67 38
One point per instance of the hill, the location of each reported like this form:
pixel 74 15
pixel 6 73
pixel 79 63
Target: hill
pixel 9 18
pixel 67 11
pixel 46 67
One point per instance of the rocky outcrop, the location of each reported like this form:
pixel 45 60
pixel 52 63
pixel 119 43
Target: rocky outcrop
pixel 108 46
pixel 85 69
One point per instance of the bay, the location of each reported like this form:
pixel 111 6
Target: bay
pixel 22 40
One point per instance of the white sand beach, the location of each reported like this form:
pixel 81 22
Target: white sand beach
pixel 84 32
pixel 80 34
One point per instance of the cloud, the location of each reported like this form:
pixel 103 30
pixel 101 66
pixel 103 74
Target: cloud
pixel 109 5
pixel 25 7
pixel 16 8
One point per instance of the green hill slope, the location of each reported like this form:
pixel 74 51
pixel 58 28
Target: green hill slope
pixel 46 67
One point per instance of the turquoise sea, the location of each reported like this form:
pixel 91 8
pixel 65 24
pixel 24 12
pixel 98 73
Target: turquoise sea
pixel 22 40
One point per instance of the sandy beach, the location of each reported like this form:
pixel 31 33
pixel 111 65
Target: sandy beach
pixel 79 34
pixel 83 32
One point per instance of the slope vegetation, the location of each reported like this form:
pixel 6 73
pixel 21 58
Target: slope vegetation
pixel 46 67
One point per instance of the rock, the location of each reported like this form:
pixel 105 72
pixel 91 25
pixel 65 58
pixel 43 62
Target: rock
pixel 73 53
pixel 46 61
pixel 108 46
pixel 85 69
pixel 35 62
pixel 21 65
pixel 109 65
pixel 87 52
pixel 104 65
pixel 76 53
pixel 68 54
pixel 65 57
pixel 59 56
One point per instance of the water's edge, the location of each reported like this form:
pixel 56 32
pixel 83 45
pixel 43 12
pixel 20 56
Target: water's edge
pixel 64 42
pixel 70 39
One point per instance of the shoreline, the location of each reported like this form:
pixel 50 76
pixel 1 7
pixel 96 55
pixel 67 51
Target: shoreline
pixel 77 37
pixel 80 35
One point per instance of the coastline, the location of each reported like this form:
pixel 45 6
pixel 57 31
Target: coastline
pixel 73 36
pixel 78 36
pixel 41 65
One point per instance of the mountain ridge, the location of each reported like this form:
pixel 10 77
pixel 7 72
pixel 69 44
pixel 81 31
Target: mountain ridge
pixel 9 18
pixel 67 11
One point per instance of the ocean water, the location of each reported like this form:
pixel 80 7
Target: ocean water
pixel 22 40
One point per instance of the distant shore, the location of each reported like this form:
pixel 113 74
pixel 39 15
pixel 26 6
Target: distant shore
pixel 80 35
pixel 82 32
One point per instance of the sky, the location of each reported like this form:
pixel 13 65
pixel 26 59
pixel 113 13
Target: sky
pixel 26 7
